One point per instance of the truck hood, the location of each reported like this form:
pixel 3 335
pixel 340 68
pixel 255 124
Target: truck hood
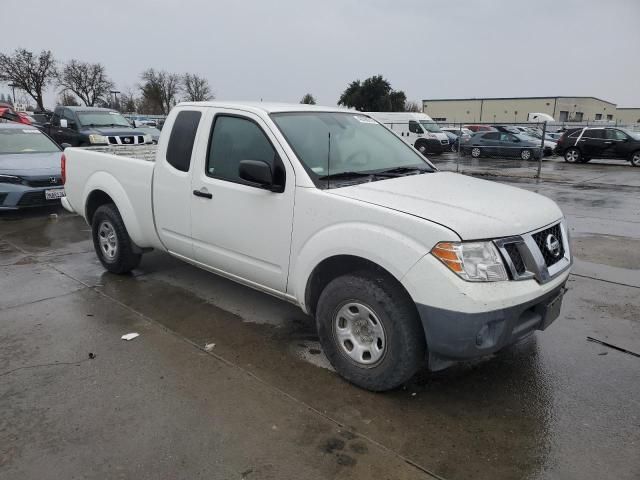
pixel 28 165
pixel 471 207
pixel 112 131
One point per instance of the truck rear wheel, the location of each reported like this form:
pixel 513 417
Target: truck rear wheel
pixel 111 240
pixel 370 331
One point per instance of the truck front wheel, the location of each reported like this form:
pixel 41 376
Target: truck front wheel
pixel 111 240
pixel 370 331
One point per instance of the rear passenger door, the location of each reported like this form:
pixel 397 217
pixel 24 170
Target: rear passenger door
pixel 592 143
pixel 239 229
pixel 172 181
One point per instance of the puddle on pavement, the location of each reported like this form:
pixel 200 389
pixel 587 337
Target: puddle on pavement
pixel 45 233
pixel 612 250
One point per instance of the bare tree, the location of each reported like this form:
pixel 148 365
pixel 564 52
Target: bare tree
pixel 28 72
pixel 196 88
pixel 411 106
pixel 87 80
pixel 159 90
pixel 67 99
pixel 308 99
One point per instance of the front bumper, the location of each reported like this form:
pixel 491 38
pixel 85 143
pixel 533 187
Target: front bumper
pixel 15 197
pixel 454 336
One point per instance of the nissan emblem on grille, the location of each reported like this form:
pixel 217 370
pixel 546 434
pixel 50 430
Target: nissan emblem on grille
pixel 553 245
pixel 126 140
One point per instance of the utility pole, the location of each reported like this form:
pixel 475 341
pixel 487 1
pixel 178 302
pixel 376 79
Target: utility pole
pixel 115 97
pixel 13 90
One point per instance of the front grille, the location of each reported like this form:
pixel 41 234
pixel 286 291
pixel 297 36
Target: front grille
pixel 43 182
pixel 140 139
pixel 127 140
pixel 516 258
pixel 32 199
pixel 113 140
pixel 541 240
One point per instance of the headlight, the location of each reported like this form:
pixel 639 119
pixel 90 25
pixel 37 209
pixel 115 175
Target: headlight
pixel 10 179
pixel 431 135
pixel 147 138
pixel 472 261
pixel 98 139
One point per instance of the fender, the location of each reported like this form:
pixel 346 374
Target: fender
pixel 107 183
pixel 390 249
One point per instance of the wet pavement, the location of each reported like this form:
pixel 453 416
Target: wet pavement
pixel 263 403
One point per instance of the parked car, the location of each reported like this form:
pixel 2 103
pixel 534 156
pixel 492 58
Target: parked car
pixel 86 126
pixel 416 129
pixel 480 128
pixel 7 113
pixel 509 129
pixel 502 144
pixel 29 168
pixel 582 144
pixel 150 130
pixel 453 140
pixel 331 211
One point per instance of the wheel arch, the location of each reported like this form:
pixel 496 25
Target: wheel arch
pixel 338 265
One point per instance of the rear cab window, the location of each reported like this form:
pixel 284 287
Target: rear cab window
pixel 183 135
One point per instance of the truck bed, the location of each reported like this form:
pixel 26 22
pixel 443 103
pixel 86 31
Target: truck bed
pixel 125 174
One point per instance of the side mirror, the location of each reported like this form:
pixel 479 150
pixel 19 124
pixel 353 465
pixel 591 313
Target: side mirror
pixel 65 145
pixel 258 173
pixel 64 123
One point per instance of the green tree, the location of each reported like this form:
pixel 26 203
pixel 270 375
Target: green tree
pixel 29 72
pixel 308 99
pixel 373 95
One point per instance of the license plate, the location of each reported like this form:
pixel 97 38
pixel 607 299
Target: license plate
pixel 54 194
pixel 552 311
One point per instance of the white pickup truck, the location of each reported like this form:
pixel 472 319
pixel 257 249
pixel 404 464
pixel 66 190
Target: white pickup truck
pixel 401 265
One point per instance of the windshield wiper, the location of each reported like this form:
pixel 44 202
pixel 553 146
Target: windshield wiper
pixel 342 175
pixel 400 171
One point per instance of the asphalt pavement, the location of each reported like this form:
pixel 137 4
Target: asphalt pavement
pixel 260 401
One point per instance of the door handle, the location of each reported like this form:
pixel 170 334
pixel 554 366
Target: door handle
pixel 200 193
pixel 608 143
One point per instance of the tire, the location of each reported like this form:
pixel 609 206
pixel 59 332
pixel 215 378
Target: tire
pixel 111 241
pixel 393 336
pixel 635 159
pixel 476 152
pixel 526 154
pixel 421 146
pixel 572 155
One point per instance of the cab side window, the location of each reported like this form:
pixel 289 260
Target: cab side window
pixel 234 139
pixel 183 134
pixel 70 118
pixel 414 127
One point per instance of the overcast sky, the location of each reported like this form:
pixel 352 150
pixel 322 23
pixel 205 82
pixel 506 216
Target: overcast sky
pixel 278 50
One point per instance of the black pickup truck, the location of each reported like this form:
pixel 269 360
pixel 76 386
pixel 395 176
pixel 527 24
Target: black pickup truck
pixel 85 126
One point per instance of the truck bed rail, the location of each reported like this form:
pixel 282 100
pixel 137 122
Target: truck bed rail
pixel 141 152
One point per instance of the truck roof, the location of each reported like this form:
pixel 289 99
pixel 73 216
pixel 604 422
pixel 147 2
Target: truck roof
pixel 269 107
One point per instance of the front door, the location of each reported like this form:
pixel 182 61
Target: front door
pixel 619 143
pixel 238 228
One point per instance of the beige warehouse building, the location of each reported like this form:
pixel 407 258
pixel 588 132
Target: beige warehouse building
pixel 516 109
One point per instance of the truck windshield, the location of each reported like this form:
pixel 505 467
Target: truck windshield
pixel 347 146
pixel 430 126
pixel 25 140
pixel 102 119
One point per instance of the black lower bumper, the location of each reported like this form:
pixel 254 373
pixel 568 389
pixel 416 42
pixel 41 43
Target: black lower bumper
pixel 454 336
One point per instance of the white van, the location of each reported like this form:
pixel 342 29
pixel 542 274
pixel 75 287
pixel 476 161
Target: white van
pixel 417 129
